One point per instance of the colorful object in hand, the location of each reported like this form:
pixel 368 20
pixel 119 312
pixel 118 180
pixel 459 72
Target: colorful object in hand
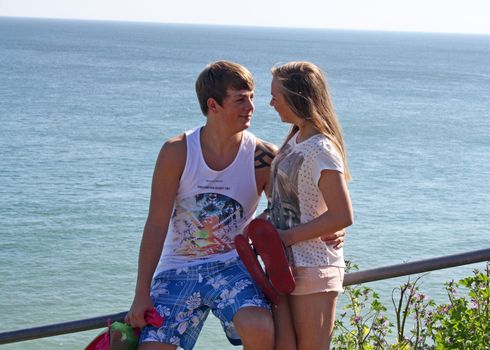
pixel 120 336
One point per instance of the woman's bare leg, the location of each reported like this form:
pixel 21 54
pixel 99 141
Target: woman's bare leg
pixel 313 318
pixel 285 338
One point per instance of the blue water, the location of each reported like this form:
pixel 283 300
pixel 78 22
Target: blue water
pixel 86 106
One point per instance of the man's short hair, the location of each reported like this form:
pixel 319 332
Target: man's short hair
pixel 217 78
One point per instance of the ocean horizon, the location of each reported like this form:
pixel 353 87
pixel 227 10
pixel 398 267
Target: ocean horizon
pixel 86 105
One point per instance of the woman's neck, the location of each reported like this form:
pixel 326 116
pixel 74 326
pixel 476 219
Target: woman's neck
pixel 306 130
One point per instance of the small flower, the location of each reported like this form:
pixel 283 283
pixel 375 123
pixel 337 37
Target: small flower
pixel 183 316
pixel 163 310
pixel 255 301
pixel 175 340
pixel 194 301
pixel 159 288
pixel 182 327
pixel 217 281
pixel 181 270
pixel 227 298
pixel 242 284
pixel 196 318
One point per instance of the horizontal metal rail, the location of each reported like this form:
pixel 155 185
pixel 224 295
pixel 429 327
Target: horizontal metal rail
pixel 350 279
pixel 443 262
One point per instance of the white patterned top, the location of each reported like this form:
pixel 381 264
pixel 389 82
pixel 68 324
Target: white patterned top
pixel 211 207
pixel 296 199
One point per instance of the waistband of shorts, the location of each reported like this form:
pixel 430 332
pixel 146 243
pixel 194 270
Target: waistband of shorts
pixel 205 267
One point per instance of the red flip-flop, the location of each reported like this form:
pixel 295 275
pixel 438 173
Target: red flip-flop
pixel 267 243
pixel 247 254
pixel 269 246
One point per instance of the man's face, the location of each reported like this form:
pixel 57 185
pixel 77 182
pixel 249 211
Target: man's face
pixel 237 108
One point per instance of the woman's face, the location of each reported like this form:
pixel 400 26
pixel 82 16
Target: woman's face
pixel 279 103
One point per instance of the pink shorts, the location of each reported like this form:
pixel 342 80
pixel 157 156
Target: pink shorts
pixel 311 280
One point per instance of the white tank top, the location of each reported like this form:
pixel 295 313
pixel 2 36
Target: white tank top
pixel 211 207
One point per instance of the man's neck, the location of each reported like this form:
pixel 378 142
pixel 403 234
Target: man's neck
pixel 219 147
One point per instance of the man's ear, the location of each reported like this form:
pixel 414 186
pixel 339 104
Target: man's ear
pixel 213 105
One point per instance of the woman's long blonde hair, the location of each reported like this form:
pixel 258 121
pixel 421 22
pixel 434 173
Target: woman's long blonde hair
pixel 305 90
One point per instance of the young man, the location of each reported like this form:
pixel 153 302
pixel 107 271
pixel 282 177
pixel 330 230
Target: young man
pixel 206 187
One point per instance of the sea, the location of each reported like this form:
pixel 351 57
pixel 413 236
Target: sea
pixel 86 105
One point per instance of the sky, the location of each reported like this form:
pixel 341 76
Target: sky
pixel 451 16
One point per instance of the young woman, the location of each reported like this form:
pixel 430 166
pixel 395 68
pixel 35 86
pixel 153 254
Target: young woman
pixel 309 198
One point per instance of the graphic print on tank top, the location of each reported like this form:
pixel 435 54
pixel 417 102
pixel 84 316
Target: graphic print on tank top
pixel 284 202
pixel 207 223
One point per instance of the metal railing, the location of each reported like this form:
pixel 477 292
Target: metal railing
pixel 350 279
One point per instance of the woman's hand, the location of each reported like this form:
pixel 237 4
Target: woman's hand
pixel 336 239
pixel 285 237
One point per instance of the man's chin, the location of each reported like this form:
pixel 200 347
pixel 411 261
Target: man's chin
pixel 246 125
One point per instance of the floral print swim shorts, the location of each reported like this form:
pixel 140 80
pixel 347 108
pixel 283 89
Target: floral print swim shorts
pixel 185 296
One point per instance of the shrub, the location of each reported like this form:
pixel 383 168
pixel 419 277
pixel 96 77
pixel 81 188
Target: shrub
pixel 464 323
pixel 461 324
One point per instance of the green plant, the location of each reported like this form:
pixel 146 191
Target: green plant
pixel 464 323
pixel 363 324
pixel 411 302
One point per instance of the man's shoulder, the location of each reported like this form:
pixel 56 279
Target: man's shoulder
pixel 176 141
pixel 264 153
pixel 170 162
pixel 175 147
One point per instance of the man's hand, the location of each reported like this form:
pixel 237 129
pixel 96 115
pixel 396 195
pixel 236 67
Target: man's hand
pixel 136 314
pixel 336 239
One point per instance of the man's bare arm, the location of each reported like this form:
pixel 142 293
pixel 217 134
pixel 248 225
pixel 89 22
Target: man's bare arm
pixel 264 154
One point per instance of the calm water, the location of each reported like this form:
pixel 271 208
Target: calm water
pixel 86 106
